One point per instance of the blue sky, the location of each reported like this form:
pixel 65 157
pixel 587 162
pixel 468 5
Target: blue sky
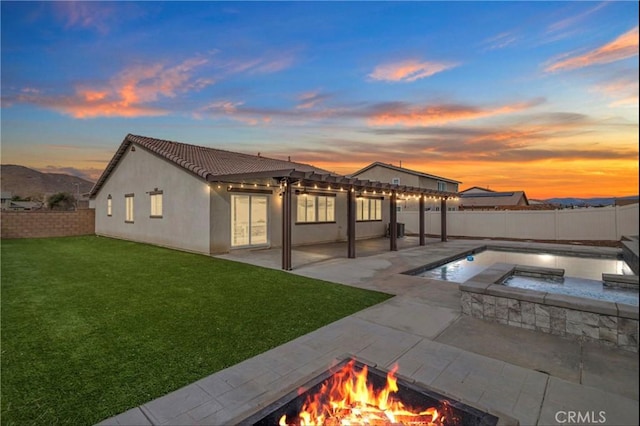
pixel 534 96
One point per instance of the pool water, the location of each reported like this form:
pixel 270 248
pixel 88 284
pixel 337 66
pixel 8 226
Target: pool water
pixel 580 267
pixel 574 287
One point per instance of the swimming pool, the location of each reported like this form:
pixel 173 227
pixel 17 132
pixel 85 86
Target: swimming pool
pixel 460 270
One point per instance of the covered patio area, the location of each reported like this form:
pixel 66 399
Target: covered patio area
pixel 307 255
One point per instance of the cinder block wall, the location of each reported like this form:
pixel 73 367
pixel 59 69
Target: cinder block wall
pixel 41 224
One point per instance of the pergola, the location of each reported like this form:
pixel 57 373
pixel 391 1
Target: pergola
pixel 291 180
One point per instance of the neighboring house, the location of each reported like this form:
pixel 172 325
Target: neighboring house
pixel 5 198
pixel 625 201
pixel 22 205
pixel 211 201
pixel 400 176
pixel 476 198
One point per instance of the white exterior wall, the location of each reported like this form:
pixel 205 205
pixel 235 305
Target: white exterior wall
pixel 185 212
pixel 309 233
pixel 301 233
pixel 604 223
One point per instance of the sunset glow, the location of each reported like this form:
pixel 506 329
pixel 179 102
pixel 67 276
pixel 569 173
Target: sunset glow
pixel 533 96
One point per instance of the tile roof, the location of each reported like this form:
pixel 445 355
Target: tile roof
pixel 493 199
pixel 204 162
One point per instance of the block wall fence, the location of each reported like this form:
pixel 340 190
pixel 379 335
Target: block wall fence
pixel 41 224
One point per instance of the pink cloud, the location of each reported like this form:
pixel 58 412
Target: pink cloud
pixel 408 71
pixel 84 14
pixel 310 99
pixel 625 46
pixel 128 94
pixel 623 90
pixel 400 114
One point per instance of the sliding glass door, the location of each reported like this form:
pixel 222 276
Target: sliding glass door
pixel 249 220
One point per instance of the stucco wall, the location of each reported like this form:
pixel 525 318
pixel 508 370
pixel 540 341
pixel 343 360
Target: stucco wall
pixel 185 216
pixel 604 223
pixel 301 233
pixel 383 174
pixel 305 233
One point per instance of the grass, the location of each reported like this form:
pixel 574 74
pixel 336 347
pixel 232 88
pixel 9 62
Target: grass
pixel 94 326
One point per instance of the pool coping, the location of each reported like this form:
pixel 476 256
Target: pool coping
pixel 573 251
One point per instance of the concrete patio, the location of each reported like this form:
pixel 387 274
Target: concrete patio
pixel 527 376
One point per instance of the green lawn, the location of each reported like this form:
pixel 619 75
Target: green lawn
pixel 93 326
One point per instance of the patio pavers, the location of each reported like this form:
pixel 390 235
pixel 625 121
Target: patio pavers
pixel 491 366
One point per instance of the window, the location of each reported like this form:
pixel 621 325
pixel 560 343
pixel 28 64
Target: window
pixel 316 208
pixel 156 204
pixel 368 209
pixel 442 186
pixel 395 181
pixel 128 205
pixel 109 205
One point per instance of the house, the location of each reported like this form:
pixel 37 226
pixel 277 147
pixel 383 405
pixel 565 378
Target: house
pixel 212 201
pixel 23 205
pixel 5 199
pixel 384 172
pixel 477 198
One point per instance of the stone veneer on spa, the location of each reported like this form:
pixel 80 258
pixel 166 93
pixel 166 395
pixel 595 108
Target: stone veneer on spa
pixel 614 324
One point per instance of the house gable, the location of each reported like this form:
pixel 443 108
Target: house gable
pixel 382 172
pixel 139 174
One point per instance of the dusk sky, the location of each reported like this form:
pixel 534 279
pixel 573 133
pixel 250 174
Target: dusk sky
pixel 539 96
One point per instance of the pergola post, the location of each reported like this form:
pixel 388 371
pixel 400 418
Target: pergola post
pixel 421 220
pixel 393 222
pixel 443 219
pixel 286 225
pixel 351 224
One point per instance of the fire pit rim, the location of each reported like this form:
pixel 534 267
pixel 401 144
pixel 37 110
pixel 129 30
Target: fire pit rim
pixel 257 413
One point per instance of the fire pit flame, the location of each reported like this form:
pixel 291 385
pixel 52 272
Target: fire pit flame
pixel 347 399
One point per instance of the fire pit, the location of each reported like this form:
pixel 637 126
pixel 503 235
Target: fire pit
pixel 353 393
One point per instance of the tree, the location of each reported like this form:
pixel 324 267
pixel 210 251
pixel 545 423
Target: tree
pixel 61 201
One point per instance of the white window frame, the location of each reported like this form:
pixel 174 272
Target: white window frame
pixel 368 209
pixel 250 226
pixel 128 208
pixel 312 211
pixel 395 181
pixel 156 201
pixel 442 186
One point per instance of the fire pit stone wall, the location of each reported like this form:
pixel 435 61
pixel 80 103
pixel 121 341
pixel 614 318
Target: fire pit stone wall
pixel 613 324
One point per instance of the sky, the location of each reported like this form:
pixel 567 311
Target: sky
pixel 533 96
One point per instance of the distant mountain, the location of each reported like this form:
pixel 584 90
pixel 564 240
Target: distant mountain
pixel 587 202
pixel 26 182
